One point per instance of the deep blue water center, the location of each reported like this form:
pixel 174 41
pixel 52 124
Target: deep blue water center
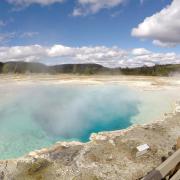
pixel 35 116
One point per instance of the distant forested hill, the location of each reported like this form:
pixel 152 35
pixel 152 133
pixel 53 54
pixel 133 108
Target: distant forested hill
pixel 86 69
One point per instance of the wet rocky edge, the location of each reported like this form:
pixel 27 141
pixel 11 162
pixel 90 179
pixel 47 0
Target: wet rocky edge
pixel 107 156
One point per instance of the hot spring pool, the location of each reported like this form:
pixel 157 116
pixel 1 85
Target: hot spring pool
pixel 35 115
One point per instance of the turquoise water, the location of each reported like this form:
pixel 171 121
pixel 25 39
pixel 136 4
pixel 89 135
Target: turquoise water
pixel 35 116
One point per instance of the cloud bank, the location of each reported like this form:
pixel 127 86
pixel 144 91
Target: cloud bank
pixel 107 56
pixel 163 28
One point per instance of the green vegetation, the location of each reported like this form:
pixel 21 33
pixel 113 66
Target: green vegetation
pixel 86 69
pixel 157 70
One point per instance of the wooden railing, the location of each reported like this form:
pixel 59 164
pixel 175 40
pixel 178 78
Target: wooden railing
pixel 169 169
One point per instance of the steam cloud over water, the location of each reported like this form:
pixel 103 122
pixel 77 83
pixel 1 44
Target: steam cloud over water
pixel 35 116
pixel 76 112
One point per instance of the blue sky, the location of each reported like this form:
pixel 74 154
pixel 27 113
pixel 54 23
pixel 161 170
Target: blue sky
pixel 32 22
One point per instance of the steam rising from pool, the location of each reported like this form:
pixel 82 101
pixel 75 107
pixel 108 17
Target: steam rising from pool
pixel 34 116
pixel 76 112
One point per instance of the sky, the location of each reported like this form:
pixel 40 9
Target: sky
pixel 125 33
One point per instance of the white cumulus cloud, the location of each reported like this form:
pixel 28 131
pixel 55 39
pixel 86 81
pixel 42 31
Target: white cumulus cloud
pixel 163 27
pixel 140 51
pixel 22 53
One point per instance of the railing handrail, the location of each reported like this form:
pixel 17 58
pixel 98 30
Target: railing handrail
pixel 165 168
